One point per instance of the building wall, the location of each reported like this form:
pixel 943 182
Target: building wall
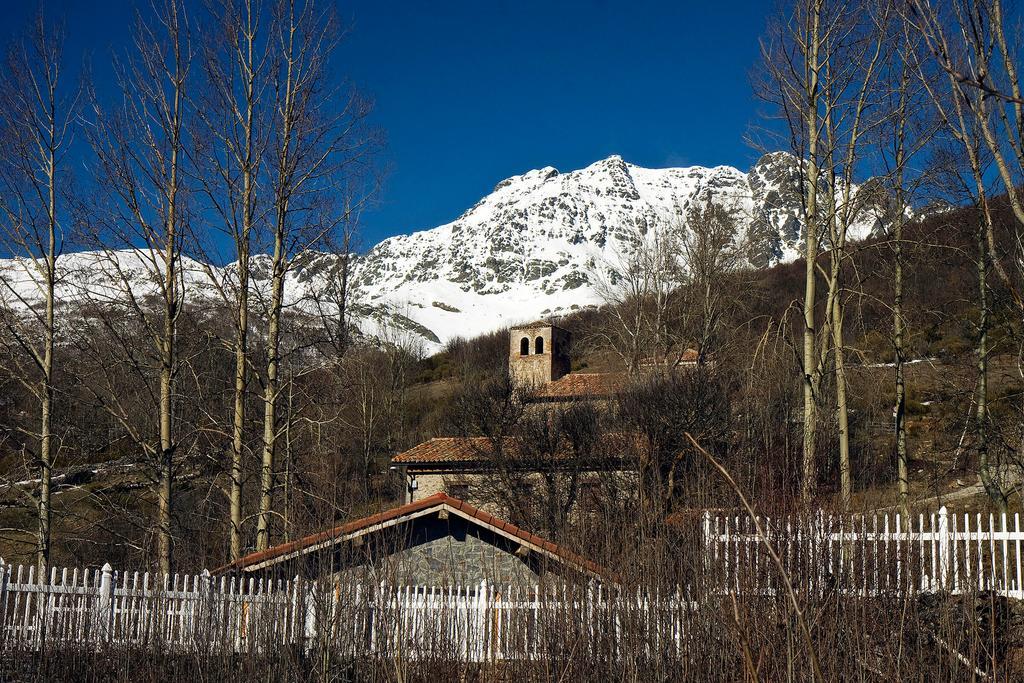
pixel 442 482
pixel 626 482
pixel 445 552
pixel 535 369
pixel 427 484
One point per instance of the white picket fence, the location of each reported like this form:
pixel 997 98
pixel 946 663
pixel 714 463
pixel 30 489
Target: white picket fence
pixel 869 554
pixel 197 613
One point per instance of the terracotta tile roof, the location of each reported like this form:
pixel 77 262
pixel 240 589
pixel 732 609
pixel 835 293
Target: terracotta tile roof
pixel 478 449
pixel 447 449
pixel 473 514
pixel 583 385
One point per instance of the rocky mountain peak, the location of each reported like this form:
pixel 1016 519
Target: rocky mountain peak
pixel 536 246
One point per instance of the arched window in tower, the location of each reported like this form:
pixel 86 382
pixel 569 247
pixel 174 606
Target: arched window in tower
pixel 539 346
pixel 524 346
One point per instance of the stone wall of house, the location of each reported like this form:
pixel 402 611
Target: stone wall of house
pixel 437 554
pixel 451 561
pixel 427 484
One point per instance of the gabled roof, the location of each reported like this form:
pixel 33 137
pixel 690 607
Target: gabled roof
pixel 453 449
pixel 582 385
pixel 463 450
pixel 389 518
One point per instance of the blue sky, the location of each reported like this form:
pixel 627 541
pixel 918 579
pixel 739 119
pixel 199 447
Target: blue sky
pixel 469 93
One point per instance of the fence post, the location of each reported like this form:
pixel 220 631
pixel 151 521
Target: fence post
pixel 305 597
pixel 944 547
pixel 707 545
pixel 105 606
pixel 297 615
pixel 5 575
pixel 204 612
pixel 481 620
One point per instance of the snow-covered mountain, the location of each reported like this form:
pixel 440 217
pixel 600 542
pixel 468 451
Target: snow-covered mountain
pixel 534 247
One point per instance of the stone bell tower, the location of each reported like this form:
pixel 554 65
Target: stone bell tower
pixel 538 353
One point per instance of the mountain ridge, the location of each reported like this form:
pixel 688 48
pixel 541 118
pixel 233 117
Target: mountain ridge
pixel 534 247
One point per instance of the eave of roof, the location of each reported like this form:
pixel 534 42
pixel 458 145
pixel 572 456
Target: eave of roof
pixel 360 527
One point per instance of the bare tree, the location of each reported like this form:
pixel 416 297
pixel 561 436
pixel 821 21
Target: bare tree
pixel 822 71
pixel 711 255
pixel 648 308
pixel 661 409
pixel 234 111
pixel 625 291
pixel 906 130
pixel 142 208
pixel 36 125
pixel 318 143
pixel 536 460
pixel 968 66
pixel 852 94
pixel 793 61
pixel 374 378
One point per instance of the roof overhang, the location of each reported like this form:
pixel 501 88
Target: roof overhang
pixel 438 504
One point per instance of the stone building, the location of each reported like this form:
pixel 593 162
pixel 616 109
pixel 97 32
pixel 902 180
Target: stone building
pixel 538 353
pixel 539 361
pixel 439 541
pixel 463 467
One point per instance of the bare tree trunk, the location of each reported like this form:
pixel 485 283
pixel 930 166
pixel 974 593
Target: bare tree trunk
pixel 270 389
pixel 810 380
pixel 899 345
pixel 238 409
pixel 248 165
pixel 992 484
pixel 316 149
pixel 143 211
pixel 238 53
pixel 168 361
pixel 845 479
pixel 46 409
pixel 288 517
pixel 165 547
pixel 898 322
pixel 981 110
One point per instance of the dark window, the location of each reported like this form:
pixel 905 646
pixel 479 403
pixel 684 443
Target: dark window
pixel 524 347
pixel 539 346
pixel 460 491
